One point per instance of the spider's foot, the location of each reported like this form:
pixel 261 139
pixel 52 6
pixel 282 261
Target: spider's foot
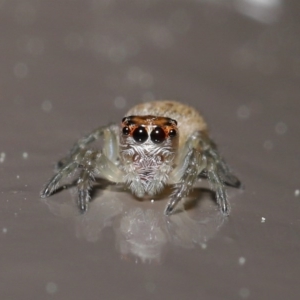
pixel 170 207
pixel 47 191
pixel 222 201
pixel 168 210
pixel 225 209
pixel 83 200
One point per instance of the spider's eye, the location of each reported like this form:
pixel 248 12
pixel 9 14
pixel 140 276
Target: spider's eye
pixel 174 121
pixel 172 133
pixel 126 130
pixel 157 135
pixel 140 134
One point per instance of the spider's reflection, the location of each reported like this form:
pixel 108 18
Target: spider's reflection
pixel 141 229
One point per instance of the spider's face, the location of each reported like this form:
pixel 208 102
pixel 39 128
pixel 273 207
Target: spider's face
pixel 149 130
pixel 146 144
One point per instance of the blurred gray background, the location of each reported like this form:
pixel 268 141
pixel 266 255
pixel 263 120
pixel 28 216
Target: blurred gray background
pixel 68 67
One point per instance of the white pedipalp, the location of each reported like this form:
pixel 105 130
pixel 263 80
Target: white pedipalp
pixel 147 167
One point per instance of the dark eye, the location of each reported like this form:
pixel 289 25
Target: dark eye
pixel 172 133
pixel 174 121
pixel 157 135
pixel 125 130
pixel 140 134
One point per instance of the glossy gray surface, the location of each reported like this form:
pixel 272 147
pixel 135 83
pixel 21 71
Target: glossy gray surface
pixel 70 66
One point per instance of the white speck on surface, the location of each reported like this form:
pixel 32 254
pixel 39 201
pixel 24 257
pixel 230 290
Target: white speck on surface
pixel 120 102
pixel 243 112
pixel 263 220
pixel 280 128
pixel 242 261
pixel 244 293
pixel 25 155
pixel 268 145
pixel 152 200
pixel 203 246
pixel 51 287
pixel 4 230
pixel 2 157
pixel 20 70
pixel 18 176
pixel 297 193
pixel 47 106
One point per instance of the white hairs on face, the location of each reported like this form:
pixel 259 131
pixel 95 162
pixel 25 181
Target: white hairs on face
pixel 149 166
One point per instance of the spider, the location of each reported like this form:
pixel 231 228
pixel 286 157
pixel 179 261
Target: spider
pixel 157 144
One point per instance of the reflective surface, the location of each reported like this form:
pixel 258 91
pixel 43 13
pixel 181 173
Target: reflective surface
pixel 141 230
pixel 67 68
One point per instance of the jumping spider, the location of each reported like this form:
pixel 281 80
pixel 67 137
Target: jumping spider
pixel 157 144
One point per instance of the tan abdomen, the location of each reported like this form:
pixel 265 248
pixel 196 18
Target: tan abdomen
pixel 188 119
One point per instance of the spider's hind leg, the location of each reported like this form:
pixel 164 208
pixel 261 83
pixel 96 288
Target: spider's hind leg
pixel 218 186
pixel 218 174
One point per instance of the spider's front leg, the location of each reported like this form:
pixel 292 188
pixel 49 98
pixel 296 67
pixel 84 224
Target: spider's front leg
pixel 190 163
pixel 90 163
pixel 200 156
pixel 110 148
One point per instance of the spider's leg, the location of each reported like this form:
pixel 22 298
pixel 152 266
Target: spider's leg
pixel 110 149
pixel 91 163
pixel 94 163
pixel 54 181
pixel 220 166
pixel 86 176
pixel 189 166
pixel 83 187
pixel 218 173
pixel 218 186
pixel 66 170
pixel 199 156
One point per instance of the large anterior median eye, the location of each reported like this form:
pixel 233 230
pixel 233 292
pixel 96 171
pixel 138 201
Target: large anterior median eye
pixel 157 135
pixel 140 134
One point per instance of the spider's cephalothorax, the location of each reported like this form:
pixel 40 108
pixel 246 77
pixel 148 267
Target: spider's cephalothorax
pixel 148 146
pixel 157 143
